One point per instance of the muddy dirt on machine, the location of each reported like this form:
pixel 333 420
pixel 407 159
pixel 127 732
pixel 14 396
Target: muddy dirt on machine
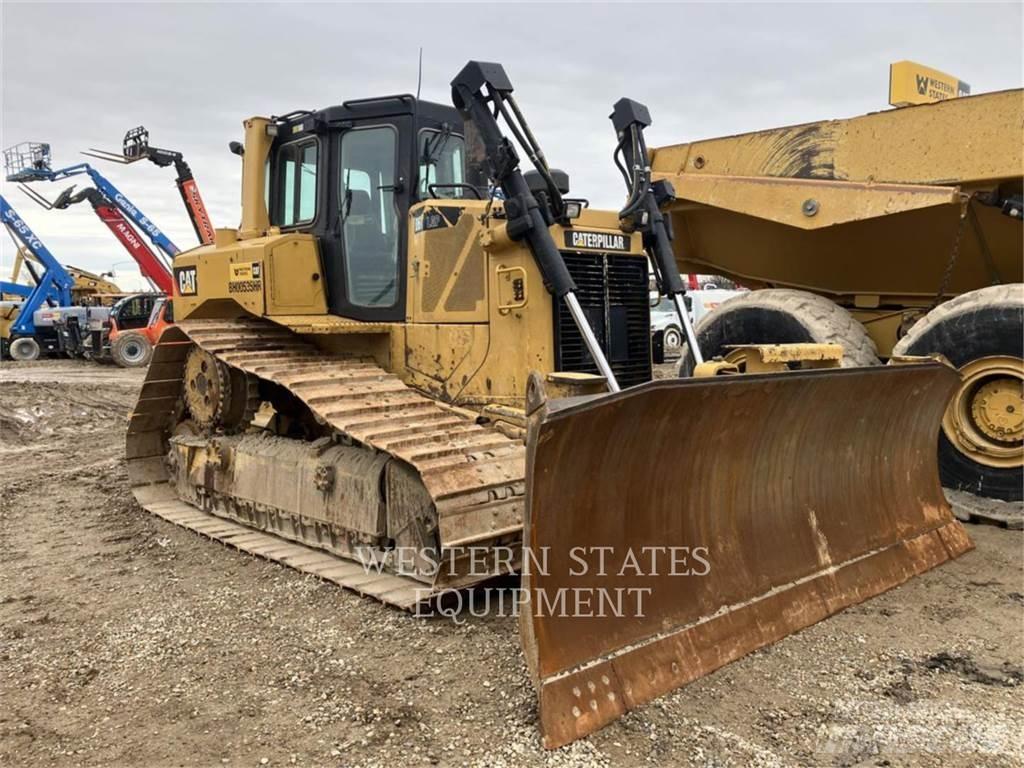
pixel 353 467
pixel 725 515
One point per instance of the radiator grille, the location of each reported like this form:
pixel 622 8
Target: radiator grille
pixel 612 289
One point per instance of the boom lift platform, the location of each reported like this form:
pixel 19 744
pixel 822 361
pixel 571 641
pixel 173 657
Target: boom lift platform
pixel 31 161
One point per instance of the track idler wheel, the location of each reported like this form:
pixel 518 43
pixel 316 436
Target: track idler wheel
pixel 218 397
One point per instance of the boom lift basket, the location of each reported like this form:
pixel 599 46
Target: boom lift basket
pixel 25 161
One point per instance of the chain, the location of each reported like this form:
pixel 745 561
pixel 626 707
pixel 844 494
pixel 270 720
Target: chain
pixel 954 253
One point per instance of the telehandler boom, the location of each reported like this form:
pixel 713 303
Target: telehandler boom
pixel 151 267
pixel 402 333
pixel 136 146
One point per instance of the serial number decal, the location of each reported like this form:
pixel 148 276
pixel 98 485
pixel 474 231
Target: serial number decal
pixel 244 286
pixel 598 241
pixel 186 281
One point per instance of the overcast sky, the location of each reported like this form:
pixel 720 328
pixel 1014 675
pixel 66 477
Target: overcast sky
pixel 79 75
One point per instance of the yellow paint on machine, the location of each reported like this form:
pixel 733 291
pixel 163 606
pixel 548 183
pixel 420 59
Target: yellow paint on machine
pixel 863 210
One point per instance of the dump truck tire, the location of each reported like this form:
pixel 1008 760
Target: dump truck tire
pixel 981 333
pixel 24 349
pixel 781 316
pixel 131 350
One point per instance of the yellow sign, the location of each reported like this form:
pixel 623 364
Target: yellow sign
pixel 912 83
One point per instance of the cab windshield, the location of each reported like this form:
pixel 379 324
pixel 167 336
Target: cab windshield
pixel 442 163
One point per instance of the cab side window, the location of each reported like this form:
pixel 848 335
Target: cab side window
pixel 296 183
pixel 134 313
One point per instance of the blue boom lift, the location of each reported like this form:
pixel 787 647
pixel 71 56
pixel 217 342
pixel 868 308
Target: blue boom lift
pixel 30 161
pixel 21 339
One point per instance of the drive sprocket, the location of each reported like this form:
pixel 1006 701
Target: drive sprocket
pixel 218 396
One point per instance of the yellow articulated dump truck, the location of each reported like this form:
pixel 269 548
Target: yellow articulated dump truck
pixel 414 367
pixel 894 233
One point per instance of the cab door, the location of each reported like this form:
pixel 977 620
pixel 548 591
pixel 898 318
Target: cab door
pixel 367 246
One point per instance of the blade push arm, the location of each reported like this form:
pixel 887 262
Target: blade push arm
pixel 528 219
pixel 643 208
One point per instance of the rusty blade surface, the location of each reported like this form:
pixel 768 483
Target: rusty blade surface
pixel 729 513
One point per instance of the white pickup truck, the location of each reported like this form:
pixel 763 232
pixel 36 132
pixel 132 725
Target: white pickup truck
pixel 701 301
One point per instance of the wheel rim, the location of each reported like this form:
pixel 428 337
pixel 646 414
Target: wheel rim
pixel 985 418
pixel 24 349
pixel 133 351
pixel 673 338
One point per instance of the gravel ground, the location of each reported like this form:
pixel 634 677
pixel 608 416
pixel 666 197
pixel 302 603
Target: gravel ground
pixel 127 641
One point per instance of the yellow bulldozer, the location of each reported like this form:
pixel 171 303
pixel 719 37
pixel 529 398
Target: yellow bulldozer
pixel 414 367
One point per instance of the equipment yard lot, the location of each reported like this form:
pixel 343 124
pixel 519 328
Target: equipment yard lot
pixel 125 640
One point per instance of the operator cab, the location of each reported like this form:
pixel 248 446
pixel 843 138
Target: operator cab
pixel 349 174
pixel 133 311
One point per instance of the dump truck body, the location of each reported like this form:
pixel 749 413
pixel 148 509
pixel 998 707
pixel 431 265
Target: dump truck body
pixel 865 210
pixel 885 217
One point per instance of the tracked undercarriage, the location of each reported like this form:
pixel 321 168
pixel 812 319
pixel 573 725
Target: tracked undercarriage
pixel 351 464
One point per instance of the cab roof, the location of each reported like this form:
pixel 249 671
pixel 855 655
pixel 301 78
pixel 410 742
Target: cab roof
pixel 369 108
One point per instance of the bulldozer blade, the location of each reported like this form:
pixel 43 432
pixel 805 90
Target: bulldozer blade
pixel 679 525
